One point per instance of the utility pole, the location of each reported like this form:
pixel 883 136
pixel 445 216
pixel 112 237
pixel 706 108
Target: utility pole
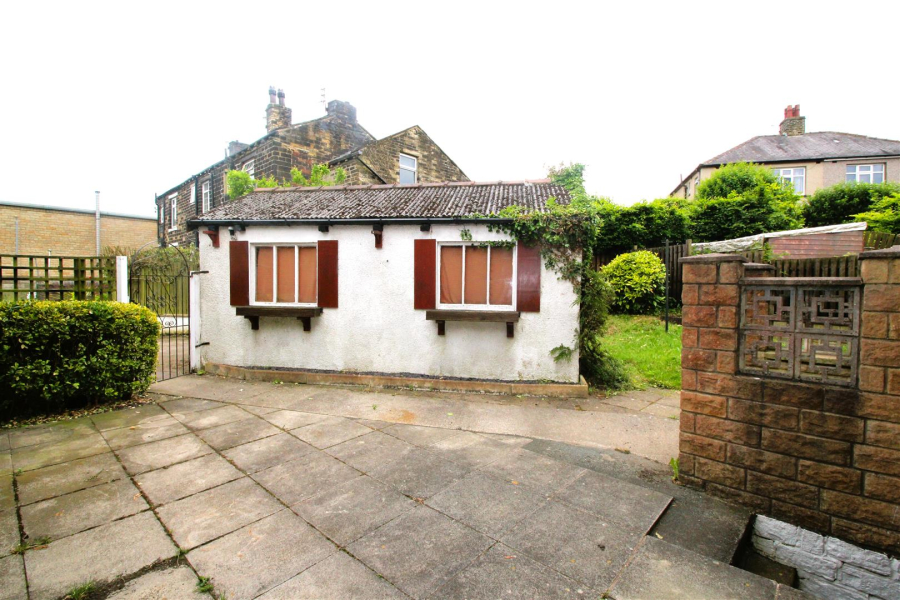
pixel 97 220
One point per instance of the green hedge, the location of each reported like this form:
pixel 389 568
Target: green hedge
pixel 638 281
pixel 66 355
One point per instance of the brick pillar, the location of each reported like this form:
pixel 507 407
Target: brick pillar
pixel 709 362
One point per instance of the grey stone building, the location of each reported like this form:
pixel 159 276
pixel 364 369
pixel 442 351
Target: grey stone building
pixel 336 139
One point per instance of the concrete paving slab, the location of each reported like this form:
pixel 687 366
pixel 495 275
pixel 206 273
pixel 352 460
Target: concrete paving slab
pixel 44 455
pixel 786 592
pixel 5 464
pixel 208 387
pixel 420 550
pixel 4 441
pixel 213 417
pixel 205 516
pixel 628 402
pixel 186 479
pixel 267 452
pixel 420 474
pixel 258 410
pixel 615 501
pixel 486 503
pixel 575 543
pixel 135 435
pixel 292 419
pixel 156 455
pixel 260 556
pixel 330 432
pixel 237 433
pixel 510 440
pixel 9 531
pixel 670 398
pixel 141 415
pixel 338 576
pixel 662 570
pixel 417 435
pixel 182 406
pixel 63 516
pixel 298 479
pixel 376 425
pixel 661 410
pixel 371 450
pixel 7 494
pixel 472 450
pixel 12 574
pixel 533 471
pixel 350 510
pixel 64 478
pixel 50 433
pixel 502 572
pixel 97 555
pixel 169 584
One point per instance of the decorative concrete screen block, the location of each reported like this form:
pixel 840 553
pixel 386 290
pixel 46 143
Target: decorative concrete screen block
pixel 803 332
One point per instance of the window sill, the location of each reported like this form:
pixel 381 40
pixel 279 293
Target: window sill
pixel 510 317
pixel 253 313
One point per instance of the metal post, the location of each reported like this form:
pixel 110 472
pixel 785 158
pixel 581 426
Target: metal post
pixel 667 286
pixel 97 219
pixel 122 279
pixel 194 320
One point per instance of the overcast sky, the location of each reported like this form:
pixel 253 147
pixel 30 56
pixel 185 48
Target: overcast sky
pixel 133 98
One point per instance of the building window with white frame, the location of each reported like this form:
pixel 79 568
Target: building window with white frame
pixel 476 276
pixel 173 213
pixel 249 167
pixel 409 166
pixel 205 195
pixel 796 176
pixel 285 274
pixel 193 195
pixel 162 212
pixel 865 173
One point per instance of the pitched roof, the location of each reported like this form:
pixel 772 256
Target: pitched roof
pixel 386 202
pixel 808 146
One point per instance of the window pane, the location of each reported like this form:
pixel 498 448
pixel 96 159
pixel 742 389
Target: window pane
pixel 264 274
pixel 476 275
pixel 865 178
pixel 864 168
pixel 501 275
pixel 285 281
pixel 851 169
pixel 308 275
pixel 407 176
pixel 451 274
pixel 878 178
pixel 851 177
pixel 407 161
pixel 878 168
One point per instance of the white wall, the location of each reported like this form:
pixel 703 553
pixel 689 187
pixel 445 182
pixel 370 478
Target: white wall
pixel 375 328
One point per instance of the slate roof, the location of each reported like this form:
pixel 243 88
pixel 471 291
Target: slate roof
pixel 386 202
pixel 809 146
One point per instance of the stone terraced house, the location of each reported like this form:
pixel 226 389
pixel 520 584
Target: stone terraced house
pixel 336 139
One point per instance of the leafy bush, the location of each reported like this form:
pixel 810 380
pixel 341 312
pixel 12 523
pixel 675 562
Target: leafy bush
pixel 885 214
pixel 645 224
pixel 594 362
pixel 842 202
pixel 239 184
pixel 65 355
pixel 638 280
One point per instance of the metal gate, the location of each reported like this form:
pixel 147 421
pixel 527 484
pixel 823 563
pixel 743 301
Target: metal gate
pixel 161 282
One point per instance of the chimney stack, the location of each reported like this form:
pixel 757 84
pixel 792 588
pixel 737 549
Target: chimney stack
pixel 235 146
pixel 793 123
pixel 278 116
pixel 339 109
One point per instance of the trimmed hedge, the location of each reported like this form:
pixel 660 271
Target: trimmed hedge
pixel 66 355
pixel 638 281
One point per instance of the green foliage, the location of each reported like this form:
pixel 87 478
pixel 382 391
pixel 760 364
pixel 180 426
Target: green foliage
pixel 204 585
pixel 645 224
pixel 561 353
pixel 651 355
pixel 638 281
pixel 81 592
pixel 569 176
pixel 319 176
pixel 238 184
pixel 673 462
pixel 595 363
pixel 884 215
pixel 62 355
pixel 841 203
pixel 465 235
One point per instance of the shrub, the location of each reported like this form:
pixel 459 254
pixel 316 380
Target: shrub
pixel 66 355
pixel 645 224
pixel 842 202
pixel 238 184
pixel 638 281
pixel 885 214
pixel 595 363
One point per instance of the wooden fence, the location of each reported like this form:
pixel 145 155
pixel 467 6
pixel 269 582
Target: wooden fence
pixel 24 277
pixel 877 240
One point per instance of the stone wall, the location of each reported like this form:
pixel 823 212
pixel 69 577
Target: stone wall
pixel 62 232
pixel 383 157
pixel 822 456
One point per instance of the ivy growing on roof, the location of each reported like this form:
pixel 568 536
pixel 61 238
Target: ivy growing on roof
pixel 241 183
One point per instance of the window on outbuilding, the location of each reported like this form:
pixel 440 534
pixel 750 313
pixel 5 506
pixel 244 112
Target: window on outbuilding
pixel 286 274
pixel 865 173
pixel 409 166
pixel 475 276
pixel 795 176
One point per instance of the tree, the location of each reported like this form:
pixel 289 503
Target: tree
pixel 240 183
pixel 646 224
pixel 743 199
pixel 842 203
pixel 884 215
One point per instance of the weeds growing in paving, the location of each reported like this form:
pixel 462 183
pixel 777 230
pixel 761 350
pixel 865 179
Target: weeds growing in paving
pixel 81 592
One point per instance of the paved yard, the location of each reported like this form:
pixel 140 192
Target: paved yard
pixel 267 492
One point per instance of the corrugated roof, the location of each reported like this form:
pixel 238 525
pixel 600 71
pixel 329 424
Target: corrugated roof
pixel 422 201
pixel 809 146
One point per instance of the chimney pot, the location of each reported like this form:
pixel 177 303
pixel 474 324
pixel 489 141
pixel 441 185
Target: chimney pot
pixel 793 123
pixel 281 97
pixel 271 94
pixel 278 116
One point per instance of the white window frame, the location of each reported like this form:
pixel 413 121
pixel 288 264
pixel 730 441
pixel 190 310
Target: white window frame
pixel 205 193
pixel 856 172
pixel 464 306
pixel 249 167
pixel 253 249
pixel 173 212
pixel 415 169
pixel 789 175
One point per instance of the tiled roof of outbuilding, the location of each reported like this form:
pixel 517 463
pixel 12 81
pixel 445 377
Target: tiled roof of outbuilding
pixel 808 146
pixel 354 202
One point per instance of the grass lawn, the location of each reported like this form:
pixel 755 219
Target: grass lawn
pixel 652 356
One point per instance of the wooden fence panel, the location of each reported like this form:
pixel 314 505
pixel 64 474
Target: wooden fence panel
pixel 24 277
pixel 877 240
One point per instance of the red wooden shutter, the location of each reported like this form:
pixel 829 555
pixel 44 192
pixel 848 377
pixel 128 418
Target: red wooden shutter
pixel 528 280
pixel 239 257
pixel 328 273
pixel 424 267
